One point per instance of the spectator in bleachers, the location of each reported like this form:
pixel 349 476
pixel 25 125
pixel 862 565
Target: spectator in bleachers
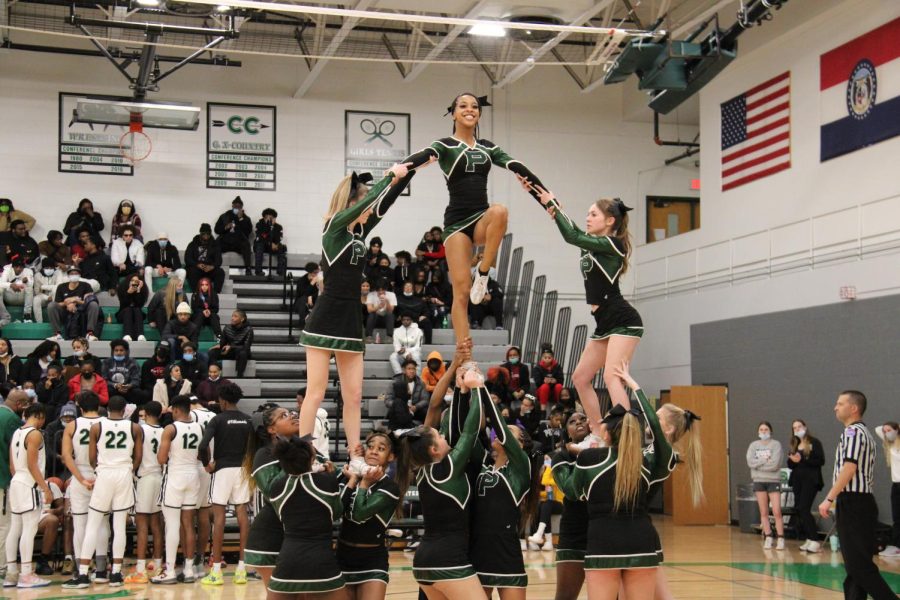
pixel 63 415
pixel 235 343
pixel 74 311
pixel 154 368
pixel 193 366
pixel 491 306
pixel 519 375
pixel 234 229
pixel 433 370
pixel 269 240
pixel 567 402
pixel 208 389
pixel 55 249
pixel 404 269
pixel 548 379
pixel 123 374
pixel 205 306
pixel 439 295
pixel 497 382
pixel 18 242
pixel 164 302
pixel 430 251
pixel 364 288
pixel 384 271
pixel 89 380
pixel 380 304
pixel 78 253
pixel 81 353
pixel 51 390
pixel 373 255
pixel 36 363
pixel 203 258
pixel 528 415
pixel 8 214
pixel 406 400
pixel 162 260
pixel 409 304
pixel 127 253
pixel 84 218
pixel 98 269
pixel 550 435
pixel 181 329
pixel 132 296
pixel 172 384
pixel 46 279
pixel 126 216
pixel 16 289
pixel 307 292
pixel 10 364
pixel 407 344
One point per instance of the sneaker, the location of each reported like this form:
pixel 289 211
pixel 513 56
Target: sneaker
pixel 78 582
pixel 127 338
pixel 91 337
pixel 136 577
pixel 813 547
pixel 213 579
pixel 780 544
pixel 536 539
pixel 164 578
pixel 54 338
pixel 116 580
pixel 479 287
pixel 253 576
pixel 11 580
pixel 410 546
pixel 199 570
pixel 548 545
pixel 358 466
pixel 189 578
pixel 804 545
pixel 767 545
pixel 240 577
pixel 151 566
pixel 101 577
pixel 68 566
pixel 142 338
pixel 43 568
pixel 31 581
pixel 591 441
pixel 26 318
pixel 523 545
pixel 394 533
pixel 890 552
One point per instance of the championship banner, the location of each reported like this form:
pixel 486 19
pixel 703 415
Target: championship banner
pixel 373 141
pixel 240 146
pixel 87 148
pixel 859 85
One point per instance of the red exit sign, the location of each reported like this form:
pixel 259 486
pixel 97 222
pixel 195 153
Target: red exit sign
pixel 695 184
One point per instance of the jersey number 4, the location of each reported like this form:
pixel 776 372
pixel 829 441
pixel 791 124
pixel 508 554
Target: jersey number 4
pixel 116 440
pixel 189 441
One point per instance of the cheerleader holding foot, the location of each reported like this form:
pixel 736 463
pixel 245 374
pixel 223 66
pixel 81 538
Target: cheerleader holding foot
pixel 307 504
pixel 335 326
pixel 370 502
pixel 605 249
pixel 441 566
pixel 262 469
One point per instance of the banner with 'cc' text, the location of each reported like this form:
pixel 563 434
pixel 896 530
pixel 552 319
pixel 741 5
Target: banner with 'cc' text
pixel 240 146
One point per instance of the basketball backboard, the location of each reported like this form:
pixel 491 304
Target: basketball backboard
pixel 161 115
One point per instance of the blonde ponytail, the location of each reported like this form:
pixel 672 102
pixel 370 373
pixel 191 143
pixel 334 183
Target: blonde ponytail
pixel 341 200
pixel 630 461
pixel 685 439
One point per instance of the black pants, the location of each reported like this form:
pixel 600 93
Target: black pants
pixel 386 321
pixel 426 327
pixel 494 308
pixel 241 354
pixel 857 515
pixel 132 319
pixel 217 276
pixel 895 513
pixel 236 243
pixel 804 496
pixel 547 509
pixel 281 257
pixel 212 320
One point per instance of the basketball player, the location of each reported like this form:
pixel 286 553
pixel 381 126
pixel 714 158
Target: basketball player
pixel 201 414
pixel 147 510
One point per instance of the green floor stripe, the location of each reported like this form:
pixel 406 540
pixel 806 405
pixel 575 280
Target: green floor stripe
pixel 830 577
pixel 119 594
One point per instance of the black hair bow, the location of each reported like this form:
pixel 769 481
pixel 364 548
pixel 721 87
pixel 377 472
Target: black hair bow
pixel 412 434
pixel 358 178
pixel 483 102
pixel 689 418
pixel 618 207
pixel 618 412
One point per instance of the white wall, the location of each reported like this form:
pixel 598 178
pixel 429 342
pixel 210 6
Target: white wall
pixel 779 214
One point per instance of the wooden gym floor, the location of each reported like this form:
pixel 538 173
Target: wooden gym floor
pixel 701 563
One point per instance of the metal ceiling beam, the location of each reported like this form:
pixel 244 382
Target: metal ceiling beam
pixel 526 65
pixel 393 52
pixel 689 25
pixel 332 48
pixel 448 39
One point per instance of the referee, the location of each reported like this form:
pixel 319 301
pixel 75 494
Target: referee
pixel 851 497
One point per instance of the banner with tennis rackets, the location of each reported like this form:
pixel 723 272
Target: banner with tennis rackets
pixel 373 141
pixel 240 146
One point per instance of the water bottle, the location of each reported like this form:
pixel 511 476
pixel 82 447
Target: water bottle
pixel 109 318
pixel 377 337
pixel 445 324
pixel 834 542
pixel 550 493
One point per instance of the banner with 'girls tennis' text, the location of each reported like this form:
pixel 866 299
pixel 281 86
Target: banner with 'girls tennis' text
pixel 373 141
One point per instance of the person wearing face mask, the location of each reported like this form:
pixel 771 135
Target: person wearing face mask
pixel 233 228
pixel 519 375
pixel 132 296
pixel 55 249
pixel 162 260
pixel 46 280
pixel 193 365
pixel 765 457
pixel 127 253
pixel 404 269
pixel 8 214
pixel 171 385
pixel 125 216
pixel 74 300
pixel 154 368
pixel 413 306
pixel 89 380
pixel 433 370
pixel 208 389
pixel 81 353
pixel 36 363
pixel 52 392
pixel 805 461
pixel 407 344
pixel 548 379
pixel 10 365
pixel 124 374
pixel 203 258
pixel 181 329
pixel 888 435
pixel 16 289
pixel 529 416
pixel 269 240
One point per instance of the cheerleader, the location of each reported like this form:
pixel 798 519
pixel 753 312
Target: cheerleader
pixel 507 493
pixel 369 502
pixel 335 324
pixel 441 565
pixel 307 504
pixel 469 220
pixel 605 249
pixel 262 470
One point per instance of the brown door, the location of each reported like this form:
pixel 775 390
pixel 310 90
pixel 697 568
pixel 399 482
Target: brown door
pixel 711 403
pixel 668 217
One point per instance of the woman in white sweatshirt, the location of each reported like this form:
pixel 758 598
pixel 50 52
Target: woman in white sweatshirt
pixel 765 457
pixel 408 340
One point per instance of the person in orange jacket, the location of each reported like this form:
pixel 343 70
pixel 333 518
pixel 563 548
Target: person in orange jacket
pixel 433 371
pixel 87 379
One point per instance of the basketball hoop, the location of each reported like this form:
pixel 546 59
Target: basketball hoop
pixel 134 144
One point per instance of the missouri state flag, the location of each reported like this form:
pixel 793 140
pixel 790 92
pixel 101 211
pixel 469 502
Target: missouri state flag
pixel 859 86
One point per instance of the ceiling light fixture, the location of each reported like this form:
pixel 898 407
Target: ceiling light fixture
pixel 488 30
pixel 147 3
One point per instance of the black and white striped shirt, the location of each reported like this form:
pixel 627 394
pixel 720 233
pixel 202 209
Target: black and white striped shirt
pixel 856 446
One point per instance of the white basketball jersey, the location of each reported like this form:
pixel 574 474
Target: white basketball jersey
pixel 204 416
pixel 152 438
pixel 115 445
pixel 81 441
pixel 183 449
pixel 20 456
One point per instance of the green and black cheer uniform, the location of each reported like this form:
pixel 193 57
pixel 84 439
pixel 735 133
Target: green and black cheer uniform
pixel 601 262
pixel 361 551
pixel 266 532
pixel 573 524
pixel 494 548
pixel 307 505
pixel 624 538
pixel 335 322
pixel 444 493
pixel 466 171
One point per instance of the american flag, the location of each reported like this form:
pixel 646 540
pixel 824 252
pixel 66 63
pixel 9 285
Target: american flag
pixel 756 132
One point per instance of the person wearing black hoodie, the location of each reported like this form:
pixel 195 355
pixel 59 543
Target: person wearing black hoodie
pixel 52 391
pixel 123 374
pixel 519 375
pixel 269 240
pixel 203 258
pixel 234 228
pixel 154 368
pixel 548 379
pixel 235 342
pixel 84 218
pixel 180 330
